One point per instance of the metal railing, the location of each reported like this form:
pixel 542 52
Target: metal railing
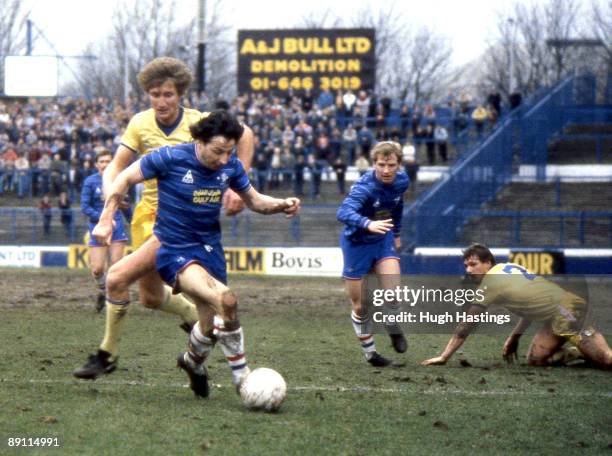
pixel 30 226
pixel 543 228
pixel 315 226
pixel 601 143
pixel 438 216
pixel 434 219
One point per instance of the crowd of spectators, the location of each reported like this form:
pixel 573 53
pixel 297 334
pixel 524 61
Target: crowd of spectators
pixel 47 146
pixel 326 133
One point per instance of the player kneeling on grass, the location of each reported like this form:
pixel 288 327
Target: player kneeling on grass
pixel 191 180
pixel 533 299
pixel 372 213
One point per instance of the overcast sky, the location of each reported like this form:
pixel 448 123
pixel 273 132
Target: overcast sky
pixel 70 24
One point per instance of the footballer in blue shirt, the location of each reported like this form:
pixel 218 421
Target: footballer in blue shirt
pixel 191 181
pixel 92 203
pixel 370 240
pixel 165 81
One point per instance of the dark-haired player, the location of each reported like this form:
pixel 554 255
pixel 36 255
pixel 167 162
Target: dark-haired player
pixel 191 181
pixel 165 80
pixel 532 298
pixel 92 203
pixel 372 213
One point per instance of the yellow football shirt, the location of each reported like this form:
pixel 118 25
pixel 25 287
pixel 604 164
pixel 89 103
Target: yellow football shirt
pixel 143 134
pixel 521 292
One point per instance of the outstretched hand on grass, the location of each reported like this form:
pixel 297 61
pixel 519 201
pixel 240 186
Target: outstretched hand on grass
pixel 437 361
pixel 510 350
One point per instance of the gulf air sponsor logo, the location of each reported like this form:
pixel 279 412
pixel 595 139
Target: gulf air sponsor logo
pixel 207 195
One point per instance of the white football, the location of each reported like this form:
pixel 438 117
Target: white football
pixel 263 389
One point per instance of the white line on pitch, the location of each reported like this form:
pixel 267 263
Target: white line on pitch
pixel 330 389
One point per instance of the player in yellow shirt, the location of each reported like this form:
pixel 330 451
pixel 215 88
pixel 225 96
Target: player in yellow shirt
pixel 532 298
pixel 165 80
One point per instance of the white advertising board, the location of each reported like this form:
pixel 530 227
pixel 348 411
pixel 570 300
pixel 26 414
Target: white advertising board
pixel 316 262
pixel 23 257
pixel 30 76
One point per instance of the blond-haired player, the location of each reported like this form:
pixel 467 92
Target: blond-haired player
pixel 372 215
pixel 166 123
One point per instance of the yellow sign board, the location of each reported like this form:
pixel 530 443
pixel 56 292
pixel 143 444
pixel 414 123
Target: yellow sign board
pixel 239 260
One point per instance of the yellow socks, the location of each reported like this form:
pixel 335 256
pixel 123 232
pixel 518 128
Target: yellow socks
pixel 115 319
pixel 116 311
pixel 177 304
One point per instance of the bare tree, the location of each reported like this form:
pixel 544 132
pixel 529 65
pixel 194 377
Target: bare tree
pixel 424 74
pixel 221 54
pixel 601 27
pixel 562 24
pixel 149 29
pixel 12 32
pixel 391 37
pixel 409 64
pixel 320 19
pixel 521 46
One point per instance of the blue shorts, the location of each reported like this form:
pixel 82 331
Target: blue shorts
pixel 359 259
pixel 172 260
pixel 119 234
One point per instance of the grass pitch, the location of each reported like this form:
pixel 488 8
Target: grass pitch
pixel 336 404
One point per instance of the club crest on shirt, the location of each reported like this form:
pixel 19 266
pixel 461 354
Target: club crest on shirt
pixel 187 178
pixel 223 178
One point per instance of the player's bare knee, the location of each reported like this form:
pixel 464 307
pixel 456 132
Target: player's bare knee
pixel 604 361
pixel 357 308
pixel 97 272
pixel 536 361
pixel 150 300
pixel 117 287
pixel 114 284
pixel 229 304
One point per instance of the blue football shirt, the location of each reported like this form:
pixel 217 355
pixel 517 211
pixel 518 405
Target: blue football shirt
pixel 190 194
pixel 92 199
pixel 370 199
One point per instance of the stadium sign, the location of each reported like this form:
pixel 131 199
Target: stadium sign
pixel 541 262
pixel 315 262
pixel 78 255
pixel 20 257
pixel 245 260
pixel 315 59
pixel 327 262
